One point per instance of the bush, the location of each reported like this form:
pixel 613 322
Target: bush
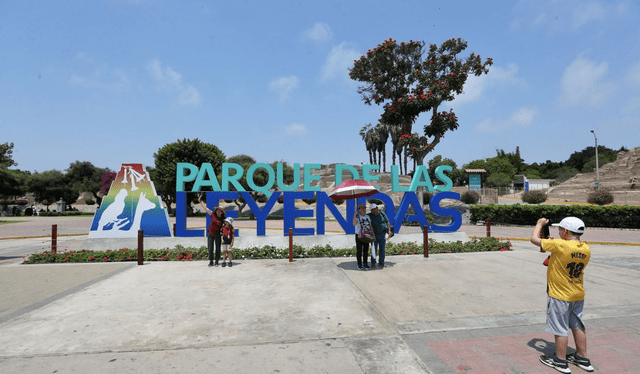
pixel 266 252
pixel 21 202
pixel 470 197
pixel 602 197
pixel 375 201
pixel 534 197
pixel 338 202
pixel 89 201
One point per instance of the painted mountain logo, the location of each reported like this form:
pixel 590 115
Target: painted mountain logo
pixel 131 205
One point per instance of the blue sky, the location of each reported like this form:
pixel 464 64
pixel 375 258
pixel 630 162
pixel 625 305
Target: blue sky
pixel 112 81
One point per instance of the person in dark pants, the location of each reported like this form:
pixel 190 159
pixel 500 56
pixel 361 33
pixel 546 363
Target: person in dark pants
pixel 360 220
pixel 214 237
pixel 381 227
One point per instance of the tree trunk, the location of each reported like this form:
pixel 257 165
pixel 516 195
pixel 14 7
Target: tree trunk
pixel 384 159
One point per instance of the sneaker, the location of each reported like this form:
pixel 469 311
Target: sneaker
pixel 360 267
pixel 554 362
pixel 380 266
pixel 224 264
pixel 216 262
pixel 366 266
pixel 210 263
pixel 582 363
pixel 230 264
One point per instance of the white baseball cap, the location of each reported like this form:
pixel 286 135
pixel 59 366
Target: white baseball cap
pixel 572 224
pixel 230 220
pixel 373 206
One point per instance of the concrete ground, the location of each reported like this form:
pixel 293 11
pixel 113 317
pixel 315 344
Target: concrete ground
pixel 449 313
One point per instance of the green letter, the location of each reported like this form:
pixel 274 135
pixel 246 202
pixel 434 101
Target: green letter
pixel 181 179
pixel 226 178
pixel 264 189
pixel 201 180
pixel 308 177
pixel 415 182
pixel 448 183
pixel 296 177
pixel 366 176
pixel 395 180
pixel 349 168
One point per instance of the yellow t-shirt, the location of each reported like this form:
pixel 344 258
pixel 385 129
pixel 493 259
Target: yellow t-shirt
pixel 565 273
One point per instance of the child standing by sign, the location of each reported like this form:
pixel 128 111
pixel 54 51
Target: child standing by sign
pixel 228 235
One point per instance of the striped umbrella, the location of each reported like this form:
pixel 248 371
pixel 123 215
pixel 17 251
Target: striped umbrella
pixel 352 189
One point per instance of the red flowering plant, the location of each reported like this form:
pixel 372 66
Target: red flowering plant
pixel 417 147
pixel 408 82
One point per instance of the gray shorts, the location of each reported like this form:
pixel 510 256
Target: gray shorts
pixel 563 316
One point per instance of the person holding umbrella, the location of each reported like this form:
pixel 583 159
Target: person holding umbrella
pixel 362 222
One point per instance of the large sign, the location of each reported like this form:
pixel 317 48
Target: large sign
pixel 131 205
pixel 204 176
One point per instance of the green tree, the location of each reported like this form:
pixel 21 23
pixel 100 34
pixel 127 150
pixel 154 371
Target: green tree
pixel 83 176
pixel 13 182
pixel 367 137
pixel 456 175
pixel 407 83
pixel 6 155
pixel 167 158
pixel 50 186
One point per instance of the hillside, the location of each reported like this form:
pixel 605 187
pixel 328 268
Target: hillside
pixel 617 176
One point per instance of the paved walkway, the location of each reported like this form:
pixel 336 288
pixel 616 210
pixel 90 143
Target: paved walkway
pixel 450 313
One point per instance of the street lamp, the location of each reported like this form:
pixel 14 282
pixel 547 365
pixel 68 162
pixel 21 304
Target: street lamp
pixel 597 171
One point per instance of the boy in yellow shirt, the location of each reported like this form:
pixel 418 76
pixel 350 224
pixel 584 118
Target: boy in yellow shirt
pixel 565 300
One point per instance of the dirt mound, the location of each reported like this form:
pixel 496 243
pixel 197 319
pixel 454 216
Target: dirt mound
pixel 622 177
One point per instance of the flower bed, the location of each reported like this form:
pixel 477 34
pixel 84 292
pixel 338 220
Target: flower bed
pixel 267 252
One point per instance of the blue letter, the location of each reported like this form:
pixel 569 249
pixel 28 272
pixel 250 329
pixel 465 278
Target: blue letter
pixel 296 177
pixel 264 189
pixel 454 213
pixel 226 178
pixel 308 177
pixel 181 217
pixel 395 180
pixel 181 179
pixel 201 180
pixel 290 212
pixel 415 182
pixel 324 200
pixel 443 178
pixel 349 168
pixel 260 214
pixel 408 199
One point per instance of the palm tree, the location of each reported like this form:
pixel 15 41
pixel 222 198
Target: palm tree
pixel 365 133
pixel 382 131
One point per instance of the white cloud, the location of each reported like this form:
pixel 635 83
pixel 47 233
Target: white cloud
pixel 582 84
pixel 171 81
pixel 338 61
pixel 475 87
pixel 583 13
pixel 116 79
pixel 520 119
pixel 634 74
pixel 563 14
pixel 284 85
pixel 319 33
pixel 296 129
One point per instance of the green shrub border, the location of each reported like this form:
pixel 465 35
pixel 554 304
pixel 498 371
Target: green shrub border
pixel 267 252
pixel 615 216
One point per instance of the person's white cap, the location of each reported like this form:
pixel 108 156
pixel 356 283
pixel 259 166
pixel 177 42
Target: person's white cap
pixel 229 219
pixel 373 206
pixel 572 224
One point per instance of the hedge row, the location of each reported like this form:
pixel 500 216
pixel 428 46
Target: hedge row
pixel 616 216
